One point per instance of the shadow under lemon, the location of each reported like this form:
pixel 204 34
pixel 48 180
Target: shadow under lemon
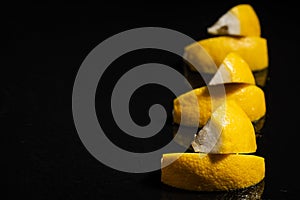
pixel 250 193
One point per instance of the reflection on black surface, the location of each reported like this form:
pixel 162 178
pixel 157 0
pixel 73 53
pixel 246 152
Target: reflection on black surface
pixel 258 125
pixel 261 77
pixel 250 193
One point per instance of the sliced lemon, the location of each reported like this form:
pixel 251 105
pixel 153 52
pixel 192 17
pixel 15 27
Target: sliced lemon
pixel 211 172
pixel 241 20
pixel 234 69
pixel 229 130
pixel 252 49
pixel 250 97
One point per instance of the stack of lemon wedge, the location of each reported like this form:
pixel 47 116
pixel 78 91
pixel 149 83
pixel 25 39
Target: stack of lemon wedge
pixel 224 148
pixel 237 31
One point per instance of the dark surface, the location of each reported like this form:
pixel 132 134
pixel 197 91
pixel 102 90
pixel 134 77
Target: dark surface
pixel 47 44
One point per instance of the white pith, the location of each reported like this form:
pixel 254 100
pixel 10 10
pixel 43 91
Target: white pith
pixel 221 76
pixel 228 20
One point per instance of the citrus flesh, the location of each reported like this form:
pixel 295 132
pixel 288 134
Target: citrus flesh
pixel 249 97
pixel 234 69
pixel 211 172
pixel 252 49
pixel 240 20
pixel 229 130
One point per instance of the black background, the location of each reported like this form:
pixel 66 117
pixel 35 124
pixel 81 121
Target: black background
pixel 47 44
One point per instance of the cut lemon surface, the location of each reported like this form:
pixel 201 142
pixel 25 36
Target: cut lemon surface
pixel 234 69
pixel 229 130
pixel 211 172
pixel 241 20
pixel 250 97
pixel 252 49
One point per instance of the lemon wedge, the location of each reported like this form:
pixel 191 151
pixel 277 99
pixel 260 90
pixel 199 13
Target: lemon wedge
pixel 211 172
pixel 252 49
pixel 234 69
pixel 241 20
pixel 249 97
pixel 229 130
